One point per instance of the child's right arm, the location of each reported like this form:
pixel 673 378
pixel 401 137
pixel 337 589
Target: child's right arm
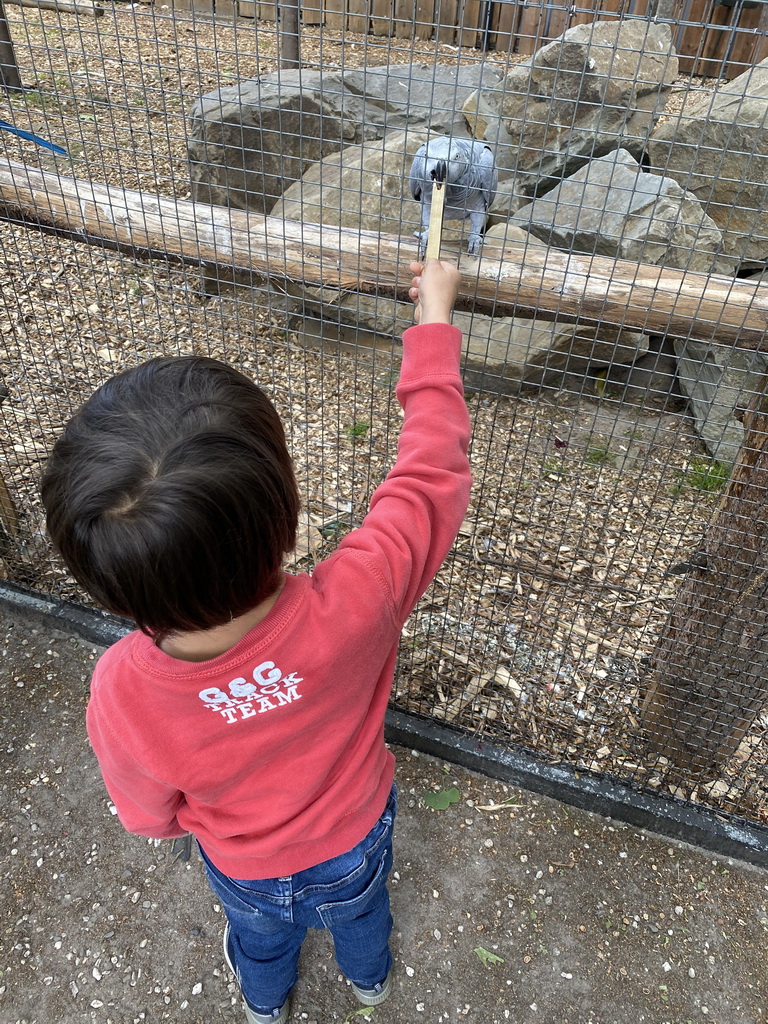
pixel 415 514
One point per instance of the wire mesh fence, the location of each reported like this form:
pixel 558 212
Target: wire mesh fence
pixel 604 606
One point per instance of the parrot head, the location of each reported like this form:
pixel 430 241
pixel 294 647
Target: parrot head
pixel 445 161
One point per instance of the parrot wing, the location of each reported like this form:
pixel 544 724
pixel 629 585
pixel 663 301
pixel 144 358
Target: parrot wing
pixel 418 175
pixel 481 175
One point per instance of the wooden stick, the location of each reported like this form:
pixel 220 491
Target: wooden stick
pixel 536 281
pixel 435 236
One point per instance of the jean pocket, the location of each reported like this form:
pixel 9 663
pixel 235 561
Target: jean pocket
pixel 340 911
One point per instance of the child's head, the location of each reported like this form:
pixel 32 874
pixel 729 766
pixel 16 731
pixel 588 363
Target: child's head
pixel 171 495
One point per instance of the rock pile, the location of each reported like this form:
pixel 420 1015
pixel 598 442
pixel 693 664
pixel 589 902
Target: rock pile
pixel 589 163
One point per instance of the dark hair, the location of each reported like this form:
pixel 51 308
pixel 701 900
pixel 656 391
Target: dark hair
pixel 171 495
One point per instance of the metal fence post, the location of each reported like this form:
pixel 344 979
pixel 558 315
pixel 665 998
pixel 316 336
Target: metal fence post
pixel 9 69
pixel 288 31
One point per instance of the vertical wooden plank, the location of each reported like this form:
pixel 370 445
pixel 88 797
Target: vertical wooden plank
pixel 381 17
pixel 404 11
pixel 692 15
pixel 468 18
pixel 713 43
pixel 749 42
pixel 204 7
pixel 592 10
pixel 504 18
pixel 761 42
pixel 705 35
pixel 424 19
pixel 226 9
pixel 335 15
pixel 267 12
pixel 312 12
pixel 530 30
pixel 247 9
pixel 357 16
pixel 447 11
pixel 557 21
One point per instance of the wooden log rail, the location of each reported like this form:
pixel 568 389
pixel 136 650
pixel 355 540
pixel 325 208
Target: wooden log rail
pixel 534 281
pixel 83 7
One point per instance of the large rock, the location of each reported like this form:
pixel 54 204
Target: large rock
pixel 501 354
pixel 364 187
pixel 250 141
pixel 611 207
pixel 719 381
pixel 597 87
pixel 717 148
pixel 507 200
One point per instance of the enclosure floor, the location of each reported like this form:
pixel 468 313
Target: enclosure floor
pixel 507 906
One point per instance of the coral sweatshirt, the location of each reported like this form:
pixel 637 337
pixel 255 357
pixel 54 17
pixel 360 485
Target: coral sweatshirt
pixel 273 753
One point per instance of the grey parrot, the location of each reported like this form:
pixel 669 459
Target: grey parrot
pixel 469 169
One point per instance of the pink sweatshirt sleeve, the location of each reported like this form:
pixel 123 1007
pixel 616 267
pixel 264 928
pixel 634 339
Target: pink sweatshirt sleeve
pixel 415 514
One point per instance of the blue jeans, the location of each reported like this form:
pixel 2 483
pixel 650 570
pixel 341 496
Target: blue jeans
pixel 269 917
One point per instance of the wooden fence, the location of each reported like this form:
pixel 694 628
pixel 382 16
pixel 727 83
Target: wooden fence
pixel 714 38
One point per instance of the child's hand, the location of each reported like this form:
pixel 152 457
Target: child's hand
pixel 434 289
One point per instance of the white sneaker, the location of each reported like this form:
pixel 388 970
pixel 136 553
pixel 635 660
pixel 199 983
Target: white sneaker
pixel 373 996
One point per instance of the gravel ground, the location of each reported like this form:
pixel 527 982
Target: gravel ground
pixel 508 906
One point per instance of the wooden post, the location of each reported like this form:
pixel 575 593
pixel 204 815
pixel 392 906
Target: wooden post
pixel 711 663
pixel 288 32
pixel 9 69
pixel 9 522
pixel 536 281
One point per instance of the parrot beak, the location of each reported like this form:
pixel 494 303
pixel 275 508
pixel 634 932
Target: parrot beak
pixel 440 171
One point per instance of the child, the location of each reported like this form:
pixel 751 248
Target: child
pixel 248 709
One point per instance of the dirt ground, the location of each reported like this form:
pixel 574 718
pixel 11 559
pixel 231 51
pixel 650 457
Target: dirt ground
pixel 508 906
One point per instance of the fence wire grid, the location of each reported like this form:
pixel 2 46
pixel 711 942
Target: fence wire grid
pixel 604 605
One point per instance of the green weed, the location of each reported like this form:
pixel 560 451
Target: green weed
pixel 596 455
pixel 703 474
pixel 357 430
pixel 553 467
